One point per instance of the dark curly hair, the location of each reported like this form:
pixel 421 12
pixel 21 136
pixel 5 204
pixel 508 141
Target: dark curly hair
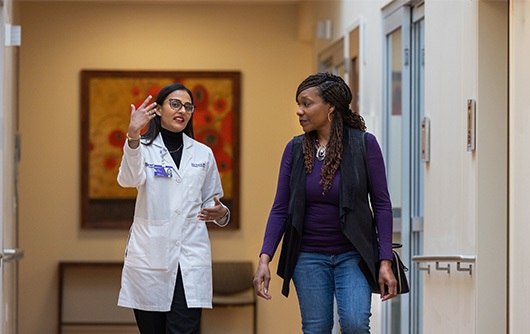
pixel 333 90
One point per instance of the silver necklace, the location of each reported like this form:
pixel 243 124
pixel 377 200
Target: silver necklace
pixel 321 151
pixel 178 149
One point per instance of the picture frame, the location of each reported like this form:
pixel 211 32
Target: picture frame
pixel 106 98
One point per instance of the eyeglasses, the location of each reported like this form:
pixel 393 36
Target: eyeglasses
pixel 177 104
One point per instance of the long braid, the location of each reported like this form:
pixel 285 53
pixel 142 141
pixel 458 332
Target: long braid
pixel 333 90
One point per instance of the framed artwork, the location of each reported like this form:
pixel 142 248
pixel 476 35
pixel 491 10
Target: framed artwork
pixel 106 97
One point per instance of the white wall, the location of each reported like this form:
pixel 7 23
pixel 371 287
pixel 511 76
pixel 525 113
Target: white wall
pixel 519 161
pixel 492 168
pixel 450 73
pixel 465 192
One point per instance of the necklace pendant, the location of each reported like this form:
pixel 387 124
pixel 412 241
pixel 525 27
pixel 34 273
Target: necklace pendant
pixel 321 153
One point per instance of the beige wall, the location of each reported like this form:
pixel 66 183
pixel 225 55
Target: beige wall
pixel 519 166
pixel 62 38
pixel 492 168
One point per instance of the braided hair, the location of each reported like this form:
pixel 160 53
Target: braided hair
pixel 333 90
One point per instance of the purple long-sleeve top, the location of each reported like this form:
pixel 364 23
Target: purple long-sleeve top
pixel 322 226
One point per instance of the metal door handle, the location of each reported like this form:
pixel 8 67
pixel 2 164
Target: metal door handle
pixel 12 254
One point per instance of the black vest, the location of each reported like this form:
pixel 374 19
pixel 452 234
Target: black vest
pixel 355 214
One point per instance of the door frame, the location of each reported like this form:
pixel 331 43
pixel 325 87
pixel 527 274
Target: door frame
pixel 403 15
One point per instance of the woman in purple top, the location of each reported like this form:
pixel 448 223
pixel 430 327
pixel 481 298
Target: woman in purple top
pixel 322 211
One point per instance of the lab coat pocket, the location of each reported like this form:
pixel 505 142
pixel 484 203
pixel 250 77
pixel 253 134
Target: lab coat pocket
pixel 197 176
pixel 148 247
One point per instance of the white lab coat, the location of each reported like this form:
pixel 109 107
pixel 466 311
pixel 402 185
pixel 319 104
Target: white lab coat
pixel 166 232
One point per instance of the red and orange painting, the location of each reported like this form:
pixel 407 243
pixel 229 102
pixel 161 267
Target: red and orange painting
pixel 106 100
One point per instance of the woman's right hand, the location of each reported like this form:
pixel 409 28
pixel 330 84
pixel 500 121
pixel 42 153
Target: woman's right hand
pixel 140 117
pixel 263 277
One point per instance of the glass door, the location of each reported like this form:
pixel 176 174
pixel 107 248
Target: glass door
pixel 395 158
pixel 403 103
pixel 417 167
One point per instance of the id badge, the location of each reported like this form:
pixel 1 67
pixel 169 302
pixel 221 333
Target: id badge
pixel 161 171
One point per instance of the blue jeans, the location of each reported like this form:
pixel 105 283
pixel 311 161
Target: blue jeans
pixel 318 278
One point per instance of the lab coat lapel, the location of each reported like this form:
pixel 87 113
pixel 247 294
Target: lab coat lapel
pixel 187 153
pixel 165 156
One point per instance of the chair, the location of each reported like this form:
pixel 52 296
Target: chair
pixel 233 287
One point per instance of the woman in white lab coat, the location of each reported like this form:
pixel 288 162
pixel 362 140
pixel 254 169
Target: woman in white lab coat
pixel 167 276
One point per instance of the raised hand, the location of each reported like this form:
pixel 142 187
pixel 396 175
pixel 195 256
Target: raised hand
pixel 141 116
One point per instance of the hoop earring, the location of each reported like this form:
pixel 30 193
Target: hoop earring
pixel 329 117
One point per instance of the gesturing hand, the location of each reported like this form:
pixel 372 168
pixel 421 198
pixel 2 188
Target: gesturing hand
pixel 215 212
pixel 141 116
